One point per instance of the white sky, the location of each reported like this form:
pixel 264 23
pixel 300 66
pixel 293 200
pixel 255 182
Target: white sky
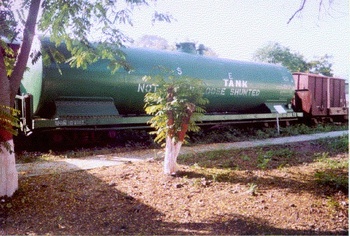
pixel 235 29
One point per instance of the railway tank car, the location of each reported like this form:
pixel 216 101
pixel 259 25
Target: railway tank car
pixel 96 99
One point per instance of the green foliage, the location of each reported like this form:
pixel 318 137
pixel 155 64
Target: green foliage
pixel 8 123
pixel 333 178
pixel 263 134
pixel 235 133
pixel 264 157
pixel 185 92
pixel 245 157
pixel 263 161
pixel 336 144
pixel 68 20
pixel 333 203
pixel 77 23
pixel 295 62
pixel 9 57
pixel 329 163
pixel 8 22
pixel 74 23
pixel 281 153
pixel 278 54
pixel 221 175
pixel 8 119
pixel 334 172
pixel 304 129
pixel 321 66
pixel 253 189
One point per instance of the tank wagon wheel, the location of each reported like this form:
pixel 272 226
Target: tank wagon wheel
pixel 112 134
pixel 60 139
pixel 57 138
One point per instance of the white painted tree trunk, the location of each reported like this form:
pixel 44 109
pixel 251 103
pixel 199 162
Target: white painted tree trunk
pixel 8 172
pixel 172 151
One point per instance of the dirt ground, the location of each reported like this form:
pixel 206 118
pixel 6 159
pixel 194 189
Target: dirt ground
pixel 213 197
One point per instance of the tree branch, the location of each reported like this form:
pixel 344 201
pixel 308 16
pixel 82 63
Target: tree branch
pixel 28 35
pixel 299 10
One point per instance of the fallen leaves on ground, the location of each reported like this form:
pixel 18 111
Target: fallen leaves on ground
pixel 137 198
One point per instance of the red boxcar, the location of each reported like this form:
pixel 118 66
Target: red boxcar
pixel 320 96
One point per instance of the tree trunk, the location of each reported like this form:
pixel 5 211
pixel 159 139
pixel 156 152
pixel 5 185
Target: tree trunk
pixel 172 150
pixel 173 145
pixel 8 172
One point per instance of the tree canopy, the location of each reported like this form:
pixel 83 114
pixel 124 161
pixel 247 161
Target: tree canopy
pixel 77 23
pixel 171 102
pixel 277 54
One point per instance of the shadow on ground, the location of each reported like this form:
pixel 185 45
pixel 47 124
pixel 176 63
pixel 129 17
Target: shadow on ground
pixel 80 203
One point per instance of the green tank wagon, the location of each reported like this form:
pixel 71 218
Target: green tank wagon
pixel 96 99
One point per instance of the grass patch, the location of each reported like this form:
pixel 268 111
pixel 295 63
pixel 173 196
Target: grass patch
pixel 234 133
pixel 337 179
pixel 339 144
pixel 332 170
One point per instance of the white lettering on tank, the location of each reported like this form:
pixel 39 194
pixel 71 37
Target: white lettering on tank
pixel 222 92
pixel 230 82
pixel 179 71
pixel 241 84
pixel 147 88
pixel 215 91
pixel 245 92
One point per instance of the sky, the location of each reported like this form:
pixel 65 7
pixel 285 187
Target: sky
pixel 235 29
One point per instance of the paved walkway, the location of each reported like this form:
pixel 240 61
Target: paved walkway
pixel 73 164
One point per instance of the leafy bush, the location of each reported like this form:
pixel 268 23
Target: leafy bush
pixel 340 144
pixel 263 159
pixel 334 172
pixel 337 179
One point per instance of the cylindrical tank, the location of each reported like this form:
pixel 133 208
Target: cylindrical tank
pixel 232 86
